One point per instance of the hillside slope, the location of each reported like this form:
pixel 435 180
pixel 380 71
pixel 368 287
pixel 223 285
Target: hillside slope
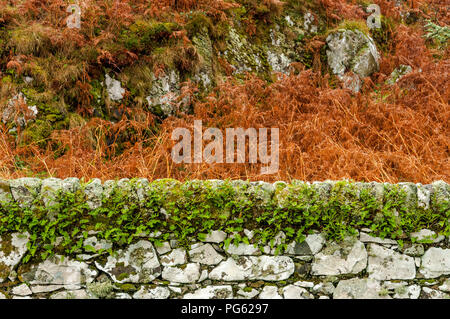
pixel 103 100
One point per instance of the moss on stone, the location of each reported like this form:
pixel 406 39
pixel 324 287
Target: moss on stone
pixel 37 133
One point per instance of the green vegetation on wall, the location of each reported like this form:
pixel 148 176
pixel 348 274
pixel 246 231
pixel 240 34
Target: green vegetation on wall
pixel 189 211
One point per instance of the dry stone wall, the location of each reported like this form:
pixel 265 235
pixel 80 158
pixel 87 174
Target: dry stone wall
pixel 155 265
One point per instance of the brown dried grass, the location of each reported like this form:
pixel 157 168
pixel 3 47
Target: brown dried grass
pixel 385 133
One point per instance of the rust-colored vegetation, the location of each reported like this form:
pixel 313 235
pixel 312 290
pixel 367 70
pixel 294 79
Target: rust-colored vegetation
pixel 389 133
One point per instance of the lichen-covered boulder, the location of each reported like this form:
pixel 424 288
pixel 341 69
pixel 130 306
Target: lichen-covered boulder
pixel 94 191
pixel 348 257
pixel 152 293
pixel 165 90
pixel 357 288
pixel 190 273
pixel 270 292
pixel 440 194
pixel 12 248
pixel 72 294
pixel 243 249
pixel 215 236
pixel 175 257
pixel 211 292
pixel 25 190
pixel 49 190
pixel 386 264
pixel 352 50
pixel 204 75
pixel 114 89
pixel 426 236
pixel 269 268
pixel 205 254
pixel 429 293
pixel 241 54
pixel 294 292
pixel 58 270
pixel 138 263
pixel 435 262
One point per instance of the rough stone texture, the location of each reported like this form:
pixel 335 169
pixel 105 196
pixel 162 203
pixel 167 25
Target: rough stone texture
pixel 408 292
pixel 357 288
pixel 429 293
pixel 304 284
pixel 311 246
pixel 423 196
pixel 310 23
pixel 25 190
pixel 427 236
pixel 366 238
pixel 445 286
pixel 49 189
pixel 414 250
pixel 241 54
pixel 93 191
pixel 72 294
pixel 47 288
pixel 138 263
pixel 326 288
pixel 398 73
pixel 122 295
pixel 261 192
pixel 440 193
pixel 22 290
pixel 71 184
pixel 270 268
pixel 349 257
pixel 114 88
pixel 164 92
pixel 59 271
pixel 270 292
pixel 205 74
pixel 152 293
pixel 352 50
pixel 216 236
pixel 248 294
pixel 435 262
pixel 175 257
pixel 211 292
pixel 165 248
pixel 294 292
pixel 188 274
pixel 243 250
pixel 11 252
pixel 206 255
pixel 352 47
pixel 386 264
